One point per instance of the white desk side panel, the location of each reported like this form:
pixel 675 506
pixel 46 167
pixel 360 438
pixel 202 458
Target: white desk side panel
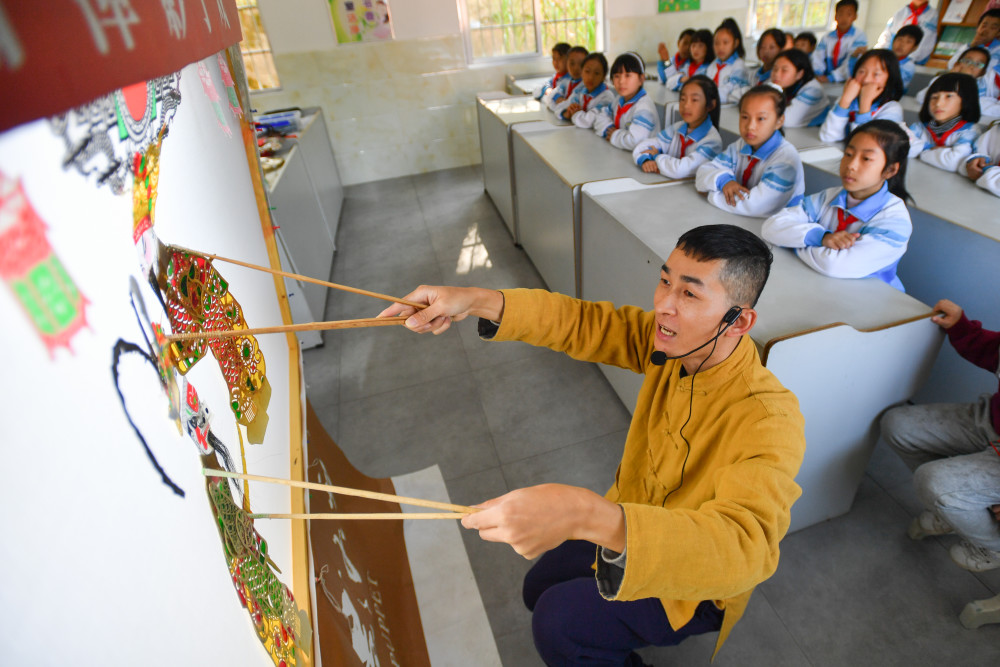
pixel 102 563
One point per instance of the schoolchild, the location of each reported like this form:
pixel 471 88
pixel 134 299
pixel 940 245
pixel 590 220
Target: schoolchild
pixel 904 44
pixel 632 116
pixel 832 56
pixel 702 54
pixel 592 96
pixel 947 130
pixel 667 66
pixel 559 53
pixel 807 101
pixel 569 83
pixel 918 13
pixel 729 70
pixel 873 91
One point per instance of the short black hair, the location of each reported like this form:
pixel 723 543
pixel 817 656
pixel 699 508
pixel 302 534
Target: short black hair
pixel 686 32
pixel 767 90
pixel 774 33
pixel 579 49
pixel 954 82
pixel 562 48
pixel 808 36
pixel 894 86
pixel 989 13
pixel 846 3
pixel 704 36
pixel 981 50
pixel 630 61
pixel 914 32
pixel 801 62
pixel 747 258
pixel 599 57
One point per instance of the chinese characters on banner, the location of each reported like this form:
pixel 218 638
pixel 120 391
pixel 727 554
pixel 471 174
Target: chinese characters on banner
pixel 361 20
pixel 114 44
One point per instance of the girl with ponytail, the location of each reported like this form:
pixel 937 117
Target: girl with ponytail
pixel 807 102
pixel 861 229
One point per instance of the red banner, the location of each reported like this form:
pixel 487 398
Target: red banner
pixel 57 54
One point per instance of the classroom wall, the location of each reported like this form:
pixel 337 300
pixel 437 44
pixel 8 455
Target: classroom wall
pixel 408 106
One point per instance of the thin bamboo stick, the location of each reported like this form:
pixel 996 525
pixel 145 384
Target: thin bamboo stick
pixel 284 328
pixel 344 491
pixel 402 516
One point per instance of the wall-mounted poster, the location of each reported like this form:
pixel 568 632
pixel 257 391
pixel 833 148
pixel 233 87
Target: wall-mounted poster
pixel 678 5
pixel 361 20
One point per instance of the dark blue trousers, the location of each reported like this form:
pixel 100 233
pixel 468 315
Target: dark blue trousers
pixel 573 625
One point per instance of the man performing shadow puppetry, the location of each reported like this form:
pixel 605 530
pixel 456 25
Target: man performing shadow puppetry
pixel 704 488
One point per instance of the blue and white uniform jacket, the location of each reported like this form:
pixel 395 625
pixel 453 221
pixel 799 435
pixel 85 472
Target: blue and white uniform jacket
pixel 907 68
pixel 730 76
pixel 564 89
pixel 993 47
pixel 808 106
pixel 638 121
pixel 681 149
pixel 775 181
pixel 988 146
pixel 989 93
pixel 668 68
pixel 689 69
pixel 928 21
pixel 592 103
pixel 882 220
pixel 547 90
pixel 955 145
pixel 822 58
pixel 840 122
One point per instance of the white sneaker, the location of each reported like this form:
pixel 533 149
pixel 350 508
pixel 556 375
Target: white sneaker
pixel 973 558
pixel 928 524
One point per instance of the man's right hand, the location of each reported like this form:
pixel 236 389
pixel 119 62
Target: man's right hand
pixel 446 305
pixel 952 313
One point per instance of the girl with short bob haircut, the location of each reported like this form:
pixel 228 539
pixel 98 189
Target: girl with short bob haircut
pixel 761 172
pixel 632 115
pixel 728 70
pixel 702 54
pixel 807 102
pixel 975 62
pixel 947 130
pixel 667 66
pixel 861 228
pixel 873 91
pixel 681 148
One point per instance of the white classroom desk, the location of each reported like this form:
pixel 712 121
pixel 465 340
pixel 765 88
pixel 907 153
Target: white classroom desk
pixel 498 113
pixel 847 348
pixel 528 85
pixel 550 166
pixel 953 253
pixel 662 97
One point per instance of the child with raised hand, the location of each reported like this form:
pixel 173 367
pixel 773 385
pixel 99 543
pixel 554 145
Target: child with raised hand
pixel 760 173
pixel 807 102
pixel 833 52
pixel 975 62
pixel 947 129
pixel 545 91
pixel 728 70
pixel 565 88
pixel 903 45
pixel 632 116
pixel 805 42
pixel 918 13
pixel 702 54
pixel 667 67
pixel 593 96
pixel 873 91
pixel 770 44
pixel 680 149
pixel 983 166
pixel 861 229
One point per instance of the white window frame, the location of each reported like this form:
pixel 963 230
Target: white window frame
pixel 470 57
pixel 253 7
pixel 755 31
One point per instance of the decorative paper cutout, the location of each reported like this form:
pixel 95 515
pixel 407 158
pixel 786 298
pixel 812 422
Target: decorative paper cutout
pixel 281 626
pixel 34 273
pixel 227 80
pixel 208 85
pixel 103 135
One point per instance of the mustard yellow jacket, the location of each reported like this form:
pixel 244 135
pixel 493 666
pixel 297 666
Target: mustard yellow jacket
pixel 716 536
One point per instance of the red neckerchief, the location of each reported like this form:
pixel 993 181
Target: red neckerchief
pixel 586 101
pixel 685 142
pixel 836 48
pixel 746 173
pixel 844 219
pixel 621 112
pixel 915 13
pixel 717 70
pixel 939 141
pixel 558 76
pixel 571 86
pixel 678 61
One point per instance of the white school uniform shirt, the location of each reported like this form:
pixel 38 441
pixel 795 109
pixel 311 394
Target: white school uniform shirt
pixel 547 90
pixel 993 47
pixel 592 103
pixel 948 151
pixel 881 219
pixel 730 76
pixel 775 179
pixel 682 150
pixel 808 106
pixel 989 94
pixel 668 68
pixel 639 120
pixel 841 122
pixel 690 69
pixel 564 89
pixel 927 20
pixel 988 146
pixel 907 68
pixel 823 61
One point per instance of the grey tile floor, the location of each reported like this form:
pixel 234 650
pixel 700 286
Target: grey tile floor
pixel 851 591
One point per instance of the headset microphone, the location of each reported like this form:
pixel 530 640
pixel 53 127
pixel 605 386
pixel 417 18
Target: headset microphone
pixel 659 358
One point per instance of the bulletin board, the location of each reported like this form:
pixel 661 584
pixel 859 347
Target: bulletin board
pixel 361 20
pixel 665 6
